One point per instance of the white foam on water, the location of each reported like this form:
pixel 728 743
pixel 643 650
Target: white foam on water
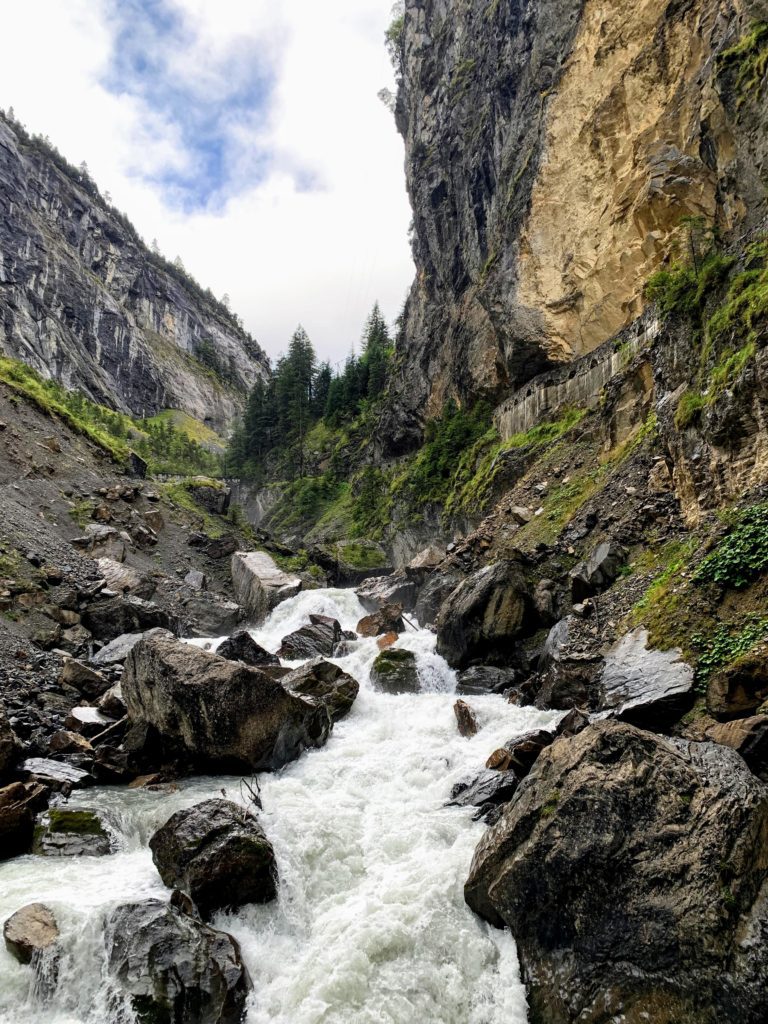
pixel 370 926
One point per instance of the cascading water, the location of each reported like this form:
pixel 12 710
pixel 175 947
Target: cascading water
pixel 370 926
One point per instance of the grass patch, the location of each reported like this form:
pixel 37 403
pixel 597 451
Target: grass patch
pixel 362 556
pixel 748 59
pixel 725 644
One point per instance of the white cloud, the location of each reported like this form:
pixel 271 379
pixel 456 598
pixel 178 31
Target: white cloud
pixel 320 256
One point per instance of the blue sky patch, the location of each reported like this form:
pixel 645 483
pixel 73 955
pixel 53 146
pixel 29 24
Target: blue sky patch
pixel 213 113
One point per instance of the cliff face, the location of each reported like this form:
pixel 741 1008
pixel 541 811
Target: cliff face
pixel 553 148
pixel 83 301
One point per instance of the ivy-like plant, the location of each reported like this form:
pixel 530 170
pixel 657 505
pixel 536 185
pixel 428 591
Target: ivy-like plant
pixel 742 555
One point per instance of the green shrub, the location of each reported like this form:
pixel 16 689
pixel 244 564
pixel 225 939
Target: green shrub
pixel 725 644
pixel 749 58
pixel 742 555
pixel 688 409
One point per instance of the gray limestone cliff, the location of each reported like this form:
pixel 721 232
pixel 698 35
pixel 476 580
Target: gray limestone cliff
pixel 84 301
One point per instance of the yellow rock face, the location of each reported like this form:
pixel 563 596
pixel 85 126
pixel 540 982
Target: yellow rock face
pixel 622 166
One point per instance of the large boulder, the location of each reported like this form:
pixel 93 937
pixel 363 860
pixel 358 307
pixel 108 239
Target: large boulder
pixel 630 869
pixel 217 713
pixel 401 588
pixel 326 682
pixel 435 591
pixel 218 854
pixel 740 688
pixel 394 671
pixel 211 615
pixel 174 968
pixel 484 616
pixel 242 647
pixel 89 683
pixel 486 791
pixel 30 931
pixel 110 617
pixel 70 832
pixel 644 686
pixel 482 679
pixel 387 619
pixel 259 584
pixel 318 638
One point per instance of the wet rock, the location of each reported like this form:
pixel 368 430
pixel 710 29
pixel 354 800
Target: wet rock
pixel 388 619
pixel 18 804
pixel 218 854
pixel 259 584
pixel 210 615
pixel 117 650
pixel 30 932
pixel 598 572
pixel 174 968
pixel 319 638
pixel 525 749
pixel 379 591
pixel 487 790
pixel 326 682
pixel 214 498
pixel 747 736
pixel 434 592
pixel 385 641
pixel 484 616
pixel 217 712
pixel 87 681
pixel 465 718
pixel 69 832
pixel 629 868
pixel 110 617
pixel 481 679
pixel 56 774
pixel 394 671
pixel 740 688
pixel 242 647
pixel 646 687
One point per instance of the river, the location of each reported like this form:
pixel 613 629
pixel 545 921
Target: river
pixel 370 926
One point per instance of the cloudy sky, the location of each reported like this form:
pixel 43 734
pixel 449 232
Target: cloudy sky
pixel 245 136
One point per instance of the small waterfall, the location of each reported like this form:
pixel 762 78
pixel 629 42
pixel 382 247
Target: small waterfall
pixel 370 926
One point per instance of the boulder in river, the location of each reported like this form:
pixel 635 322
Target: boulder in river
pixel 70 832
pixel 218 854
pixel 438 587
pixel 484 616
pixel 209 614
pixel 217 713
pixel 318 638
pixel 388 619
pixel 630 869
pixel 31 930
pixel 174 968
pixel 486 791
pixel 394 671
pixel 400 588
pixel 481 679
pixel 325 682
pixel 242 647
pixel 465 718
pixel 259 584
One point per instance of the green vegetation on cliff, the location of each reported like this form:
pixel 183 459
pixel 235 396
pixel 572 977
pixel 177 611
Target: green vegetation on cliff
pixel 165 447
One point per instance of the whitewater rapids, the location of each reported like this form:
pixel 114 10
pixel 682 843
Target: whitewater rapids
pixel 370 926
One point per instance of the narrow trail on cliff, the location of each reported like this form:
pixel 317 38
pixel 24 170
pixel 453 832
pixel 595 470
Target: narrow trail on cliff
pixel 370 926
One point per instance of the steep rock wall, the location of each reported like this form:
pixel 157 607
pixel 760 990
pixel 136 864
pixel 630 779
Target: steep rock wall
pixel 552 149
pixel 84 302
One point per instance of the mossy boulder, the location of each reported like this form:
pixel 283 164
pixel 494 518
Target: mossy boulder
pixel 394 671
pixel 70 832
